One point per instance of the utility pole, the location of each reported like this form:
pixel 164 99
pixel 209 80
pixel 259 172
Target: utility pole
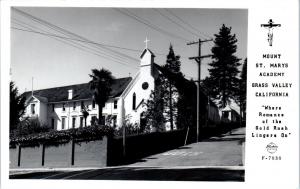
pixel 198 60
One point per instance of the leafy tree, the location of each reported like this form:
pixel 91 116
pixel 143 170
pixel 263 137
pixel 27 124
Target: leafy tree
pixel 17 106
pixel 29 126
pixel 130 128
pixel 167 102
pixel 101 86
pixel 171 93
pixel 223 82
pixel 154 115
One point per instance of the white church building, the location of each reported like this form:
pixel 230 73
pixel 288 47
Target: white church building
pixel 61 107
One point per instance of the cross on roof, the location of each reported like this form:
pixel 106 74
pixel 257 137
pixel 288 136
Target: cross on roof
pixel 146 41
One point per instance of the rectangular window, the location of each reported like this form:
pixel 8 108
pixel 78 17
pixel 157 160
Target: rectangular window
pixel 73 122
pixel 133 101
pixel 63 122
pixel 53 106
pixel 115 104
pixel 93 104
pixel 93 120
pixel 82 105
pixel 64 107
pixel 74 105
pixel 81 121
pixel 52 123
pixel 32 108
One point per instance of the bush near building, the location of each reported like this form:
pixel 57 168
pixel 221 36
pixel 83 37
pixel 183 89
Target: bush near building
pixel 63 136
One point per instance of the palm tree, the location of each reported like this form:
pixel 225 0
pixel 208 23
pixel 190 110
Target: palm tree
pixel 101 86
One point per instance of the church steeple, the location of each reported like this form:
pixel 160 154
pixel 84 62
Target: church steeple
pixel 147 57
pixel 147 60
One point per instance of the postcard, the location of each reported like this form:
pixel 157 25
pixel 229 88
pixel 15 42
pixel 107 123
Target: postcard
pixel 152 94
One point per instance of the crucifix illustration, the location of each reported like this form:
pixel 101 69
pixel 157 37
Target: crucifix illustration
pixel 146 41
pixel 270 26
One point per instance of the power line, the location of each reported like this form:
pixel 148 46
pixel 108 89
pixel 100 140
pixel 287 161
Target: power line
pixel 168 18
pixel 71 40
pixel 68 33
pixel 71 43
pixel 61 37
pixel 78 47
pixel 83 41
pixel 169 11
pixel 149 24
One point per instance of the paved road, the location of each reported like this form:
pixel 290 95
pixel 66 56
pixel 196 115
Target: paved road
pixel 216 159
pixel 141 173
pixel 226 150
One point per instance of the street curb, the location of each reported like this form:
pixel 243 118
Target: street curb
pixel 26 171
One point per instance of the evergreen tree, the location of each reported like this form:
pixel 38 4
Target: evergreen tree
pixel 223 82
pixel 17 106
pixel 186 104
pixel 171 93
pixel 243 89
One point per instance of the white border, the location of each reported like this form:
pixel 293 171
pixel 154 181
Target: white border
pixel 251 5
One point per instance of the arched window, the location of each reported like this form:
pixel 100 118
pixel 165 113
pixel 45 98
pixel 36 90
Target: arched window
pixel 133 101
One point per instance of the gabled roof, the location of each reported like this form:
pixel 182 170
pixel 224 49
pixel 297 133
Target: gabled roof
pixel 80 91
pixel 152 54
pixel 41 99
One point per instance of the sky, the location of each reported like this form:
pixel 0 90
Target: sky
pixel 112 39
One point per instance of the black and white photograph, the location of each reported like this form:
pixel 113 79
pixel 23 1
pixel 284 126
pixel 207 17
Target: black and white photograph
pixel 119 93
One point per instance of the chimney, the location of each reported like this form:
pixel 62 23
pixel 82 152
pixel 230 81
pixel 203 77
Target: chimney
pixel 70 96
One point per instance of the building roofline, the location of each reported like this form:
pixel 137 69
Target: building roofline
pixel 68 86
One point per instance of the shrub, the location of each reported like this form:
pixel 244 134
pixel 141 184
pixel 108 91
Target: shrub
pixel 63 136
pixel 131 128
pixel 29 126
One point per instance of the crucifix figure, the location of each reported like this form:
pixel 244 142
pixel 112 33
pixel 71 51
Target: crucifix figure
pixel 270 27
pixel 146 41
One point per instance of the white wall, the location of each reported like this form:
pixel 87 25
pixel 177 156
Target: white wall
pixel 69 113
pixel 40 110
pixel 43 113
pixel 145 75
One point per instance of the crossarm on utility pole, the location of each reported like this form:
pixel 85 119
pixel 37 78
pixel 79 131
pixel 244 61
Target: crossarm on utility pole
pixel 197 57
pixel 198 60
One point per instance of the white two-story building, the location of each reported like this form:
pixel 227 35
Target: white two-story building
pixel 61 107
